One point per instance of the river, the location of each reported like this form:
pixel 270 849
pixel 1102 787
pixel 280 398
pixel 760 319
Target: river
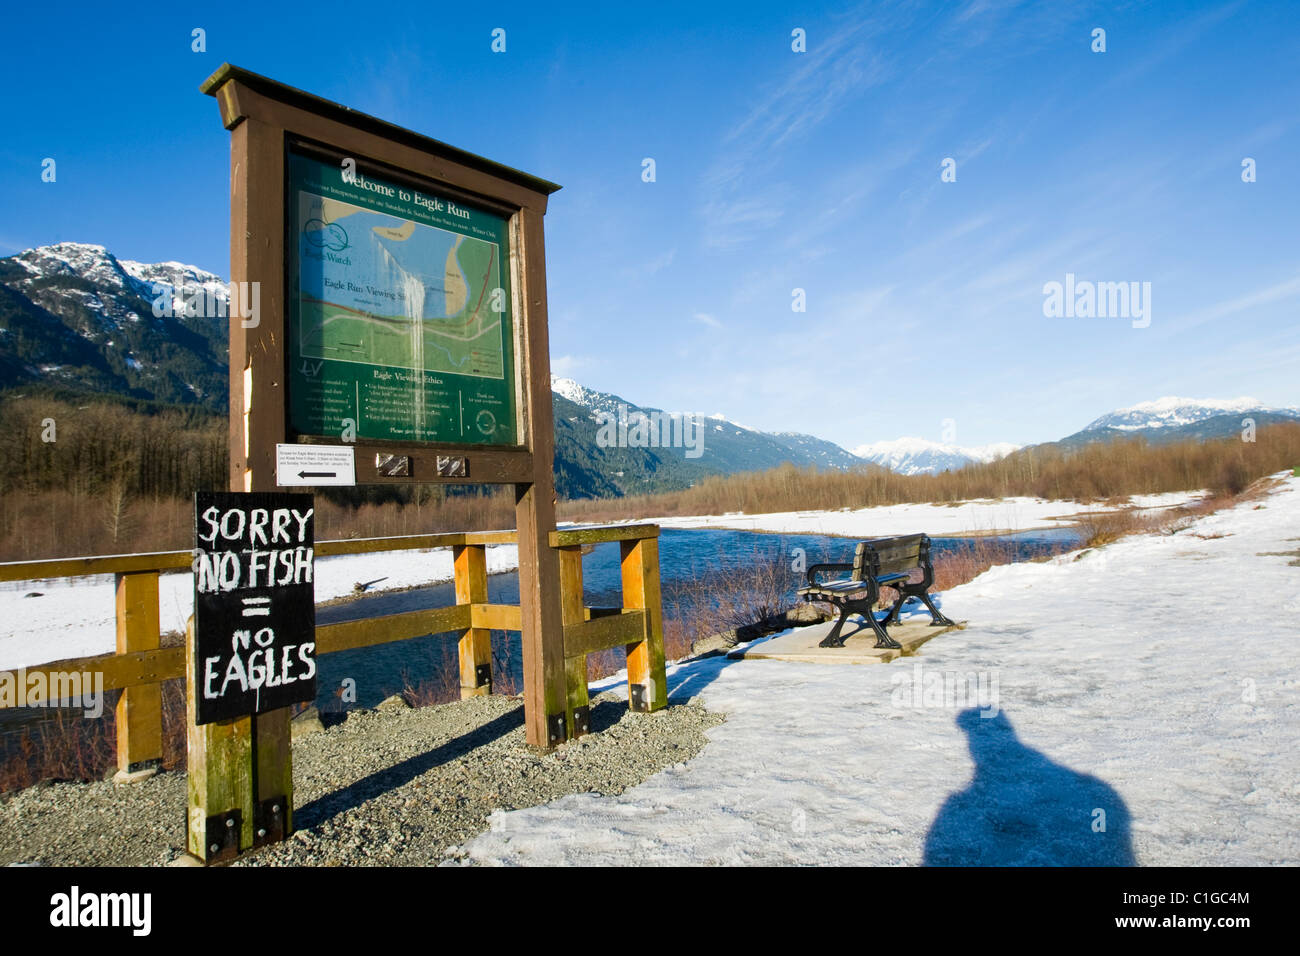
pixel 686 557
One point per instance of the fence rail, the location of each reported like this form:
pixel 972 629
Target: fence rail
pixel 141 664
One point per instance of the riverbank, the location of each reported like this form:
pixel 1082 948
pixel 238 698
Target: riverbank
pixel 968 519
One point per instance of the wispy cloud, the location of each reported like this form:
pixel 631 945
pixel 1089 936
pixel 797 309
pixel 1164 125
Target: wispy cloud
pixel 744 195
pixel 648 267
pixel 1174 42
pixel 835 68
pixel 1277 292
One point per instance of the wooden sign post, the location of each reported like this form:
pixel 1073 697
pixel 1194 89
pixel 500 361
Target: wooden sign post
pixel 387 322
pixel 250 650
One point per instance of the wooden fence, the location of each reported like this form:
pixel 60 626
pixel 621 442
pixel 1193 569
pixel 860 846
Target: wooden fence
pixel 140 664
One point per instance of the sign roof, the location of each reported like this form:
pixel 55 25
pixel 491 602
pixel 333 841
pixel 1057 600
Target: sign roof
pixel 344 114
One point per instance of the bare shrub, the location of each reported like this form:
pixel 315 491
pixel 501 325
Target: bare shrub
pixel 1103 471
pixel 64 746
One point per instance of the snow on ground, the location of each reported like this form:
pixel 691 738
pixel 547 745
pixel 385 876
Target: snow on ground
pixel 1155 680
pixel 75 617
pixel 967 517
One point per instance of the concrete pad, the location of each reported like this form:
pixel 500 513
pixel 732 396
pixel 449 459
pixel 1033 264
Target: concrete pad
pixel 125 777
pixel 859 644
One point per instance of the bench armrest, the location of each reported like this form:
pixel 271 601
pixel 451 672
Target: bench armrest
pixel 812 571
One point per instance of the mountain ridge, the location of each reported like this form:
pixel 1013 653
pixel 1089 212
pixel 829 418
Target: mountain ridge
pixel 917 456
pixel 74 317
pixel 1174 412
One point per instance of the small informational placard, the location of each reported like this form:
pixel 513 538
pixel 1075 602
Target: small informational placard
pixel 315 465
pixel 254 603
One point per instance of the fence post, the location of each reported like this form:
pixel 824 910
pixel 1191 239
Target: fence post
pixel 647 683
pixel 475 642
pixel 219 824
pixel 139 709
pixel 577 710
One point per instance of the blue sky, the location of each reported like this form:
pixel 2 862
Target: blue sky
pixel 775 170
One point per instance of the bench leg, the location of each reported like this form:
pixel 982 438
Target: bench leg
pixel 833 639
pixel 882 636
pixel 938 619
pixel 892 616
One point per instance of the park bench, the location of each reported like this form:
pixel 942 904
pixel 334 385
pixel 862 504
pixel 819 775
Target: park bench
pixel 883 562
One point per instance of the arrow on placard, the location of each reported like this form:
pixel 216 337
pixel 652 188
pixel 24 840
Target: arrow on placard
pixel 317 474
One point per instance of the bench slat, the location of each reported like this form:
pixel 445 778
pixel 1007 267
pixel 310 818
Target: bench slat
pixel 836 587
pixel 908 540
pixel 899 561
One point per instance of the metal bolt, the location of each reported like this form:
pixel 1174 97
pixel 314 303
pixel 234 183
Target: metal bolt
pixel 275 808
pixel 261 833
pixel 214 848
pixel 229 824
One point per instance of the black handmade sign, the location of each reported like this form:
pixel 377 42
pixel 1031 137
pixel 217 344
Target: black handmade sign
pixel 254 603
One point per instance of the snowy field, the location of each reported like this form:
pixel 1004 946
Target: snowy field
pixel 984 516
pixel 74 617
pixel 1133 682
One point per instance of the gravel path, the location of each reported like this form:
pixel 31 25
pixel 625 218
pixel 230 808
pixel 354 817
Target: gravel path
pixel 403 787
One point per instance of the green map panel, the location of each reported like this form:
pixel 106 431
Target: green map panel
pixel 400 318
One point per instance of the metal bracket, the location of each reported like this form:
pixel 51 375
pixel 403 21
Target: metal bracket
pixel 393 466
pixel 555 730
pixel 582 720
pixel 451 466
pixel 221 836
pixel 268 821
pixel 637 698
pixel 483 675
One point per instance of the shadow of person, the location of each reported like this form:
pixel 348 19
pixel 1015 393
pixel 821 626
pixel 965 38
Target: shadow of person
pixel 1021 809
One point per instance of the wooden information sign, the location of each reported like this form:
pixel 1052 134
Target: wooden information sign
pixel 401 316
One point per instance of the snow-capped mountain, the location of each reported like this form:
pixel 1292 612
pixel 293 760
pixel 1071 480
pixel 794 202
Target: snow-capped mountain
pixel 605 402
pixel 1173 412
pixel 727 446
pixel 916 456
pixel 188 287
pixel 73 315
pixel 581 395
